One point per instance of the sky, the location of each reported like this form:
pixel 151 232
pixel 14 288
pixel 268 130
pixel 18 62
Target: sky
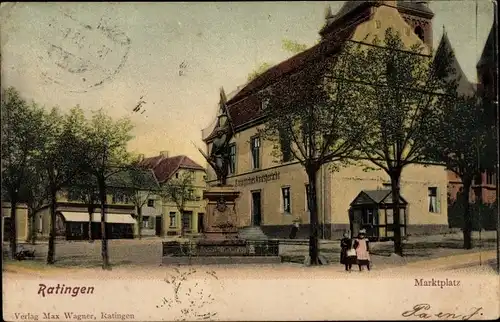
pixel 174 57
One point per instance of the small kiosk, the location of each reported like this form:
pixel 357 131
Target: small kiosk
pixel 372 210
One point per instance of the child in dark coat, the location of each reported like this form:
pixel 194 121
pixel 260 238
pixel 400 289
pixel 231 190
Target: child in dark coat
pixel 347 253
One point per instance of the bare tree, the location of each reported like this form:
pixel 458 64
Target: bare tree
pixel 312 118
pixel 179 190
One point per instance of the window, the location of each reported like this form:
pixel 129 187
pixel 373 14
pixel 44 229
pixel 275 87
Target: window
pixel 119 197
pixel 151 203
pixel 285 194
pixel 367 217
pixel 433 200
pixel 173 222
pixel 419 32
pixel 490 178
pixel 145 222
pixel 186 221
pixel 40 224
pixel 232 158
pixel 286 148
pixel 177 175
pixel 74 196
pixel 255 145
pixel 191 194
pixel 307 197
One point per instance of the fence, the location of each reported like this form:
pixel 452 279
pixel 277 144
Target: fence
pixel 225 248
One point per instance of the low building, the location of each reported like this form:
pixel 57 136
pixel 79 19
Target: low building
pixel 21 221
pixel 184 216
pixel 75 213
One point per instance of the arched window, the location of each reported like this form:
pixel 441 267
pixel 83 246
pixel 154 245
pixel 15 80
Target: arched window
pixel 419 32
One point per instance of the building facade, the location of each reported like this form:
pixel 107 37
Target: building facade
pixel 21 221
pixel 273 193
pixel 78 213
pixel 181 216
pixel 483 192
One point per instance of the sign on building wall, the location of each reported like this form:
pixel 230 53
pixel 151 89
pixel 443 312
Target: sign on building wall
pixel 258 179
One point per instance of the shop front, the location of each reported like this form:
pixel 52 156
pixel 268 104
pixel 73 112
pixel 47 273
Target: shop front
pixel 118 226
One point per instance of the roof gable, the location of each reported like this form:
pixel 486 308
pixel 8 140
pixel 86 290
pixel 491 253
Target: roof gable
pixel 464 86
pixel 150 162
pixel 488 54
pixel 376 197
pixel 140 179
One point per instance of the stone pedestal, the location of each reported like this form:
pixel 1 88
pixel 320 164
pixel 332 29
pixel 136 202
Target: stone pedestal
pixel 221 221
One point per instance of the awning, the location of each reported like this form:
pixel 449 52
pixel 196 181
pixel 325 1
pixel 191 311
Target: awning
pixel 110 217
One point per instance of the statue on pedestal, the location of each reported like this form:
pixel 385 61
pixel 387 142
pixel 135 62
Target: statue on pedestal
pixel 219 157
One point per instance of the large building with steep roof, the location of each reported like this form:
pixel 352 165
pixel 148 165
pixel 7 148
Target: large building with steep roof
pixel 483 191
pixel 273 193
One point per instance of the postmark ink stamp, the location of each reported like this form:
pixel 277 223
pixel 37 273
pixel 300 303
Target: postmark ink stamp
pixel 81 56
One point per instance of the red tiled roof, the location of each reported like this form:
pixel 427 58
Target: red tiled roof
pixel 151 162
pixel 245 107
pixel 164 168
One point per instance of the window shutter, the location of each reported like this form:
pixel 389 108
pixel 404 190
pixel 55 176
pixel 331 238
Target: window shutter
pixel 282 201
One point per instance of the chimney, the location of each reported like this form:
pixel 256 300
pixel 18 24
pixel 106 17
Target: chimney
pixel 425 3
pixel 140 157
pixel 164 154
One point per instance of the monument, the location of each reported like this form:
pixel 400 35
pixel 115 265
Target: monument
pixel 221 220
pixel 220 243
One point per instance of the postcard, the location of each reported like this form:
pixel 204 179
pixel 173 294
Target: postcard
pixel 254 161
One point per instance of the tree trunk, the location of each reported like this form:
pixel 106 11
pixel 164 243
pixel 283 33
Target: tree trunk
pixel 33 228
pixel 467 230
pixel 104 240
pixel 90 210
pixel 52 233
pixel 182 221
pixel 13 230
pixel 313 213
pixel 30 236
pixel 30 225
pixel 139 224
pixel 395 180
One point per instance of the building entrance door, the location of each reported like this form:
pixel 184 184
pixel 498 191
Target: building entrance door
pixel 186 221
pixel 200 223
pixel 6 228
pixel 158 225
pixel 256 209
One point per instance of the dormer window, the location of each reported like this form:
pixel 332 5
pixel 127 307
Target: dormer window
pixel 419 32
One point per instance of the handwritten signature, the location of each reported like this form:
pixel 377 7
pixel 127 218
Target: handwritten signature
pixel 423 311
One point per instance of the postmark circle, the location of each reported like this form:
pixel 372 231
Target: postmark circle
pixel 79 56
